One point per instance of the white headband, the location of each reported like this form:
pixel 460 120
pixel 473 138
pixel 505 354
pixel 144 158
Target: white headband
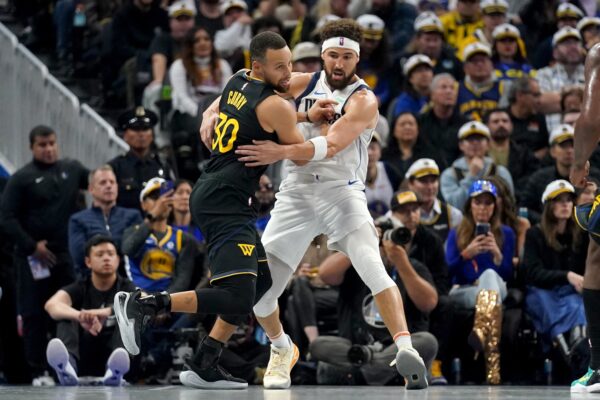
pixel 342 42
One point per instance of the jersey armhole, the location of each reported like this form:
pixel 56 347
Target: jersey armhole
pixel 311 85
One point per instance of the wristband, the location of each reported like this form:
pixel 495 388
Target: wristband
pixel 320 143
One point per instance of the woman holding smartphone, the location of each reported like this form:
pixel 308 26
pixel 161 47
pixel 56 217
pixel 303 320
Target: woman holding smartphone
pixel 479 255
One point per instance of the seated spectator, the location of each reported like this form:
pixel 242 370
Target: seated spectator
pixel 363 340
pixel 440 121
pixel 493 14
pixel 424 179
pixel 375 62
pixel 508 57
pixel 588 194
pixel 555 253
pixel 479 92
pixel 418 71
pixel 181 217
pixel 529 125
pixel 429 40
pixel 104 217
pixel 382 180
pixel 398 17
pixel 306 57
pixel 571 99
pixel 473 140
pixel 87 342
pixel 234 38
pixel 265 197
pixel 479 255
pixel 561 150
pixel 568 70
pixel 589 27
pixel 197 79
pixel 209 16
pixel 519 160
pixel 159 257
pixel 462 22
pixel 136 167
pixel 400 150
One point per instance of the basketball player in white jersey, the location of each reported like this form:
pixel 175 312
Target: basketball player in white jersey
pixel 327 196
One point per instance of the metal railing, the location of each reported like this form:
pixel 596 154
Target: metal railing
pixel 30 96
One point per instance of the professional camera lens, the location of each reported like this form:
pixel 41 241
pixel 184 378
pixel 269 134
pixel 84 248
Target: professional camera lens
pixel 400 236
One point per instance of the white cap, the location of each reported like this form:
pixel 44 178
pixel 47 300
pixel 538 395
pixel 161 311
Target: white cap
pixel 568 10
pixel 372 26
pixel 152 185
pixel 561 133
pixel 556 188
pixel 473 128
pixel 227 4
pixel 325 19
pixel 476 48
pixel 182 7
pixel 565 33
pixel 506 30
pixel 494 6
pixel 428 22
pixel 422 167
pixel 305 50
pixel 587 21
pixel 414 61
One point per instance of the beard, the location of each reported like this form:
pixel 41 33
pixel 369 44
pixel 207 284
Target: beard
pixel 501 135
pixel 340 84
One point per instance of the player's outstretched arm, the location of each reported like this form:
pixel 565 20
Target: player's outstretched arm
pixel 587 133
pixel 210 117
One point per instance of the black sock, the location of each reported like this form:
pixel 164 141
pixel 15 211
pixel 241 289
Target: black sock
pixel 209 352
pixel 591 302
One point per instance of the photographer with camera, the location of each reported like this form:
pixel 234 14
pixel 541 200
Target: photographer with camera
pixel 479 254
pixel 365 348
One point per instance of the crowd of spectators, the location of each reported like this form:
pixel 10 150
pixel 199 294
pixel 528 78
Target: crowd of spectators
pixel 471 155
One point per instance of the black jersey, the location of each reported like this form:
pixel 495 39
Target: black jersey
pixel 238 125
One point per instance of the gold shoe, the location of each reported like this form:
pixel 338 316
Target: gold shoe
pixel 492 346
pixel 478 335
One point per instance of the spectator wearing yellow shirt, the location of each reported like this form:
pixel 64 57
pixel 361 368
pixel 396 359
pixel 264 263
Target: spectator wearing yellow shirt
pixel 462 22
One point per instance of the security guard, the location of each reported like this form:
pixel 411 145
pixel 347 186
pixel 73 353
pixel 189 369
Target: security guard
pixel 136 167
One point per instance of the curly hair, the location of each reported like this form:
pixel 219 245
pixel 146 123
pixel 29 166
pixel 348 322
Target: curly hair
pixel 345 27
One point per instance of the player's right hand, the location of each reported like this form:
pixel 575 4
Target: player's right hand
pixel 579 175
pixel 207 128
pixel 322 110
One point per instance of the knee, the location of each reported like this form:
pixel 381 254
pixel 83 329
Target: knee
pixel 266 305
pixel 427 346
pixel 489 274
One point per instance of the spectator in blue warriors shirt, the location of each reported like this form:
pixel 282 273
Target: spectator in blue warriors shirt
pixel 508 58
pixel 104 217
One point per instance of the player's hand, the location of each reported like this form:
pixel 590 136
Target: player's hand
pixel 46 257
pixel 576 281
pixel 262 152
pixel 322 110
pixel 207 128
pixel 579 175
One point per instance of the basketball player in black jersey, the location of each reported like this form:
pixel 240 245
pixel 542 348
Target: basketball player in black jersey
pixel 223 206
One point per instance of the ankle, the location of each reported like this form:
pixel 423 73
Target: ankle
pixel 281 341
pixel 402 339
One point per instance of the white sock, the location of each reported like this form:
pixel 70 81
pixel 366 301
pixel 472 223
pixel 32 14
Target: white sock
pixel 281 341
pixel 402 340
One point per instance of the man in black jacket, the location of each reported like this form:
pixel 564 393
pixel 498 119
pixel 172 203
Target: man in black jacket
pixel 36 205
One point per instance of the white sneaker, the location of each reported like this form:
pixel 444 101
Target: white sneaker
pixel 116 366
pixel 412 368
pixel 58 358
pixel 280 365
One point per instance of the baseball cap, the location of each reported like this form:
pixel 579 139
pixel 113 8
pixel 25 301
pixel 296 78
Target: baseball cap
pixel 568 10
pixel 473 128
pixel 428 22
pixel 228 4
pixel 182 7
pixel 506 31
pixel 556 188
pixel 306 50
pixel 414 61
pixel 152 185
pixel 561 133
pixel 476 48
pixel 482 186
pixel 565 33
pixel 138 118
pixel 421 168
pixel 403 197
pixel 372 26
pixel 376 137
pixel 494 6
pixel 586 22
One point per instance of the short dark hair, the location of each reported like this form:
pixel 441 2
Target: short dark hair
pixel 263 24
pixel 97 240
pixel 344 27
pixel 488 114
pixel 265 41
pixel 39 131
pixel 521 85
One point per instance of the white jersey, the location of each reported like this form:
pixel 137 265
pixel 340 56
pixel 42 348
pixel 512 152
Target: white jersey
pixel 349 164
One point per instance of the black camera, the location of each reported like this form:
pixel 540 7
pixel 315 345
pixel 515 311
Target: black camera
pixel 400 235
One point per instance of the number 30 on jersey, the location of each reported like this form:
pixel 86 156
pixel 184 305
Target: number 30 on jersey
pixel 226 130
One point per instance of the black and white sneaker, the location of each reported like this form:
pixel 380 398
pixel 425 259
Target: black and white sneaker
pixel 212 377
pixel 132 317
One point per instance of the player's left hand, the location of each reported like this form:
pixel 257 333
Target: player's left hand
pixel 262 152
pixel 579 175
